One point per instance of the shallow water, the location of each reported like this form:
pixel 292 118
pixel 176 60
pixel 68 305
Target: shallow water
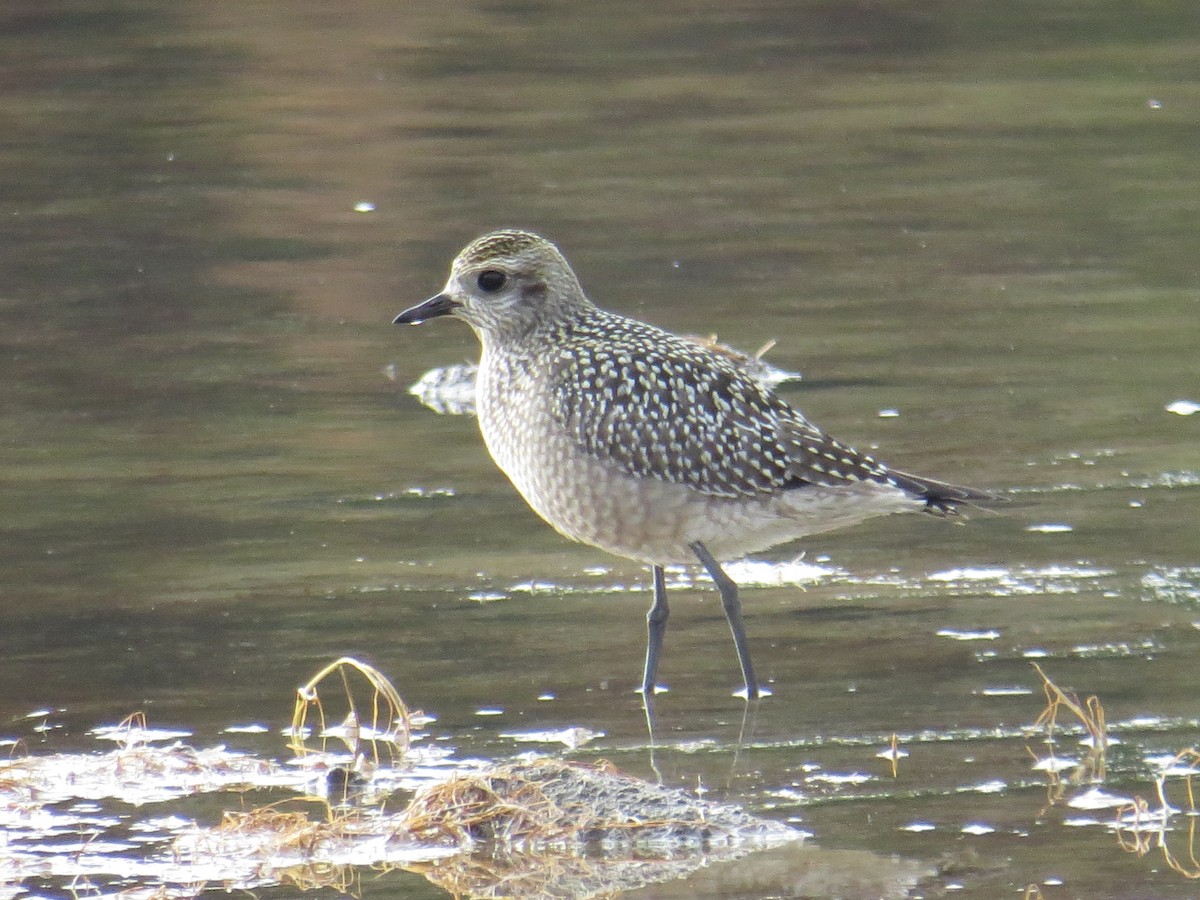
pixel 981 218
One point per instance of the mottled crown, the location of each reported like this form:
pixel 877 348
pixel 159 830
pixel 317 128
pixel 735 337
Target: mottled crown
pixel 511 244
pixel 501 243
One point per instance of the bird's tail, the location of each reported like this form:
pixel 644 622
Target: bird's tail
pixel 942 498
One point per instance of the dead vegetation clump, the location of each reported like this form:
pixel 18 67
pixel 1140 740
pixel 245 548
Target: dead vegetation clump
pixel 546 802
pixel 530 828
pixel 545 828
pixel 271 843
pixel 275 830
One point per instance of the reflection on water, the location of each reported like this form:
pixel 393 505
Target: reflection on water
pixel 971 227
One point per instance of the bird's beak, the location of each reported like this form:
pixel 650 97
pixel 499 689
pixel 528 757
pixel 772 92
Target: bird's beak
pixel 441 305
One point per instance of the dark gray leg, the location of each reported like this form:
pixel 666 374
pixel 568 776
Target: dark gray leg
pixel 656 627
pixel 733 612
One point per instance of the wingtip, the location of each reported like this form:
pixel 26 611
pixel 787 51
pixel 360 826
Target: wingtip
pixel 943 498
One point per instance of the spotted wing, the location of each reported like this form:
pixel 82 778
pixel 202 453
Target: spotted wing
pixel 661 407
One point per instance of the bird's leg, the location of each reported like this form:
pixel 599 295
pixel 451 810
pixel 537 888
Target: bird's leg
pixel 733 612
pixel 656 627
pixel 648 708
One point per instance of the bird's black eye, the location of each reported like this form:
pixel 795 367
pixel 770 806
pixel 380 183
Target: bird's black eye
pixel 491 280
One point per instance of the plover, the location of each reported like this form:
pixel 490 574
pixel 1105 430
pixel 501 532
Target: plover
pixel 653 447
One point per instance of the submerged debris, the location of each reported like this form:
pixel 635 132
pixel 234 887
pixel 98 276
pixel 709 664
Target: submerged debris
pixel 550 827
pixel 553 828
pixel 546 802
pixel 754 364
pixel 135 774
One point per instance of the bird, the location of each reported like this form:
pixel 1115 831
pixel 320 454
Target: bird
pixel 645 444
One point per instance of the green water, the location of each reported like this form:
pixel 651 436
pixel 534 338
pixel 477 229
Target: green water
pixel 980 215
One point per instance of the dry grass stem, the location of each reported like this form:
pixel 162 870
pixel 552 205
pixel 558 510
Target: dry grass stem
pixel 386 719
pixel 1091 767
pixel 1141 830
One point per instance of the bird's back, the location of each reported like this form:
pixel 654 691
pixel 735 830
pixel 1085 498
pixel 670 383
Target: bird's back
pixel 662 407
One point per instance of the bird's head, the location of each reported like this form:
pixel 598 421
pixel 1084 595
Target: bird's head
pixel 503 285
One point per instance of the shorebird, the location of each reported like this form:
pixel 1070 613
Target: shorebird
pixel 653 447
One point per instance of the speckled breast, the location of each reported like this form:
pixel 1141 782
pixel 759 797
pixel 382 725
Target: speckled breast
pixel 584 498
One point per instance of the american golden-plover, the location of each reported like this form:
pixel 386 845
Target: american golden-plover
pixel 645 444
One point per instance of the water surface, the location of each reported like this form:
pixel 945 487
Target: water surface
pixel 981 218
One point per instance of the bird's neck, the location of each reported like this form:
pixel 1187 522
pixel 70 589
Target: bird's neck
pixel 519 338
